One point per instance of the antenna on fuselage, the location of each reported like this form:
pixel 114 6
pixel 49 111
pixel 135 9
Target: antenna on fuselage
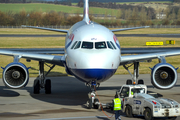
pixel 86 12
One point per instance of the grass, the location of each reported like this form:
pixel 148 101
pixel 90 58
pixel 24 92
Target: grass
pixel 52 7
pixel 56 42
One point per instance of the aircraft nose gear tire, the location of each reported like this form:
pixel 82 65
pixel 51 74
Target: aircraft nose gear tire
pixel 95 104
pixel 89 103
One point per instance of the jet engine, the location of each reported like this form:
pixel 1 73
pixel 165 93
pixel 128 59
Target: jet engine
pixel 15 75
pixel 163 76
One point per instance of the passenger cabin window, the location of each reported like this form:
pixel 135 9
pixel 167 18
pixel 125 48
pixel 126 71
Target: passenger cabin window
pixel 73 45
pixel 87 45
pixel 113 45
pixel 78 45
pixel 100 45
pixel 109 45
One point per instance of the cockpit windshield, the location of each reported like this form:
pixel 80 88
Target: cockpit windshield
pixel 93 45
pixel 87 45
pixel 100 45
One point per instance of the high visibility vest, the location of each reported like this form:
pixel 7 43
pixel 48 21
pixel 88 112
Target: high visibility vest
pixel 117 104
pixel 131 93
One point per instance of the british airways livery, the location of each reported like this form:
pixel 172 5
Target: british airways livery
pixel 92 54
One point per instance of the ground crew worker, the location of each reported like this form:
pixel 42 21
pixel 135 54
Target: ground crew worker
pixel 117 107
pixel 131 93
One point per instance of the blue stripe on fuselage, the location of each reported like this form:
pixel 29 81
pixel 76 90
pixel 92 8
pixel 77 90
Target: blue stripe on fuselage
pixel 87 75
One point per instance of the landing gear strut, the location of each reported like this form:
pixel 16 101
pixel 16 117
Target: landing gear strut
pixel 92 101
pixel 135 75
pixel 40 82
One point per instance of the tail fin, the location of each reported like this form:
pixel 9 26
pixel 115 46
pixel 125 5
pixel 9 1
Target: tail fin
pixel 86 11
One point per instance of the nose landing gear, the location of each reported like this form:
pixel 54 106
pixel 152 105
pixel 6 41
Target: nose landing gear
pixel 93 102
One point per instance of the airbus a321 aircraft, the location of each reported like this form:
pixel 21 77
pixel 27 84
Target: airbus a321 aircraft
pixel 92 54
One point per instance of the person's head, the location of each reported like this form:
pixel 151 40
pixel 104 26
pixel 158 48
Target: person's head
pixel 116 96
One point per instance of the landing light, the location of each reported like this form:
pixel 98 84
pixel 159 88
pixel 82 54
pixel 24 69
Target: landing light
pixel 134 83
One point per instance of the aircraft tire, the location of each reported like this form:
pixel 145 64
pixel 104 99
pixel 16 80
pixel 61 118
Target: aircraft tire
pixel 48 86
pixel 36 86
pixel 96 106
pixel 89 103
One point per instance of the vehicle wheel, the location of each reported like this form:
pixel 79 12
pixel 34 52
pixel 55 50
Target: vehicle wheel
pixel 129 82
pixel 48 86
pixel 141 81
pixel 96 106
pixel 148 114
pixel 172 118
pixel 36 86
pixel 128 111
pixel 89 103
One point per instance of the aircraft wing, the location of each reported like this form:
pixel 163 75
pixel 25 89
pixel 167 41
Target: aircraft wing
pixel 141 57
pixel 123 50
pixel 37 50
pixel 54 59
pixel 42 28
pixel 124 29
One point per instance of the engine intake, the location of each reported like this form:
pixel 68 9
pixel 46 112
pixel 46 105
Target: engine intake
pixel 15 75
pixel 163 76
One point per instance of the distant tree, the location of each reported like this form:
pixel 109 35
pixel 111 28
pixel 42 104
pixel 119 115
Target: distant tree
pixel 143 16
pixel 177 1
pixel 178 15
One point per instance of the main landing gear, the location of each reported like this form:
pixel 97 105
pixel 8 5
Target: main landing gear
pixel 135 75
pixel 92 102
pixel 40 82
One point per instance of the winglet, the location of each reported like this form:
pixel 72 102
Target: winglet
pixel 86 11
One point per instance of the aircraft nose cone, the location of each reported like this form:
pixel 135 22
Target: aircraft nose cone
pixel 95 65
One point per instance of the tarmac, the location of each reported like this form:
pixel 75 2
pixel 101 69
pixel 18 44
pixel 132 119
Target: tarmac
pixel 68 100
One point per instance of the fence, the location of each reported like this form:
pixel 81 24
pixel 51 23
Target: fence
pixel 67 27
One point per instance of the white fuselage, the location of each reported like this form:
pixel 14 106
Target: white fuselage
pixel 92 52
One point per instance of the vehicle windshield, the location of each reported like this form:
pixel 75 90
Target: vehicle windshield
pixel 138 90
pixel 87 45
pixel 100 45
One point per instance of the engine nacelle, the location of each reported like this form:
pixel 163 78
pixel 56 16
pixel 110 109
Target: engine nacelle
pixel 15 75
pixel 163 76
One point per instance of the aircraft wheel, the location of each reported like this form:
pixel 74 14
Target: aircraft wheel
pixel 96 106
pixel 89 103
pixel 48 86
pixel 141 81
pixel 128 111
pixel 148 114
pixel 36 86
pixel 129 82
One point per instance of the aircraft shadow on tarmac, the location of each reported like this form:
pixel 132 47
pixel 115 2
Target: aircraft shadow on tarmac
pixel 65 91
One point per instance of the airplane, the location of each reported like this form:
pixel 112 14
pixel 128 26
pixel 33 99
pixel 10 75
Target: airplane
pixel 92 54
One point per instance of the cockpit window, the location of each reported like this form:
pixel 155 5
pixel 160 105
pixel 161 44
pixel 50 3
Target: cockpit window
pixel 100 45
pixel 78 45
pixel 109 45
pixel 87 45
pixel 73 45
pixel 113 45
